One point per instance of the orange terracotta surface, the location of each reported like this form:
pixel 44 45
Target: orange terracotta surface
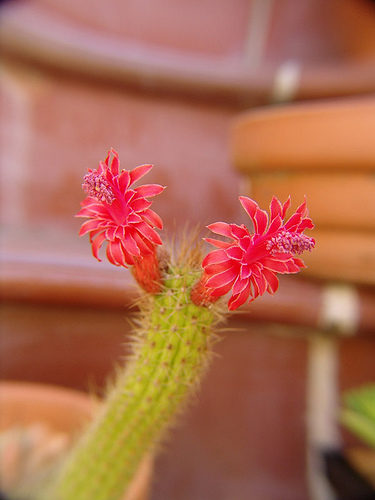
pixel 347 256
pixel 323 150
pixel 194 28
pixel 341 208
pixel 335 134
pixel 173 50
pixel 63 411
pixel 330 28
pixel 335 200
pixel 67 346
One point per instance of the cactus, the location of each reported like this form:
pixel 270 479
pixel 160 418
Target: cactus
pixel 174 329
pixel 171 351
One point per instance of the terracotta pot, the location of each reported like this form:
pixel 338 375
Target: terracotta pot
pixel 64 412
pixel 324 150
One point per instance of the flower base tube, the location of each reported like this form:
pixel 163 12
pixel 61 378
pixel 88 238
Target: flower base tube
pixel 171 352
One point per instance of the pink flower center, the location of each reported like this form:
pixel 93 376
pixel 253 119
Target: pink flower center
pixel 97 187
pixel 286 242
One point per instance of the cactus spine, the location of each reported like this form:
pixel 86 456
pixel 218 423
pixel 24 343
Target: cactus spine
pixel 172 348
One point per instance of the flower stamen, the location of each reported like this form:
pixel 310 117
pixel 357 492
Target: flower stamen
pixel 97 187
pixel 287 242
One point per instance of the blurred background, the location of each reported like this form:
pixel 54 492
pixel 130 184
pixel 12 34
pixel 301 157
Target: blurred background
pixel 224 97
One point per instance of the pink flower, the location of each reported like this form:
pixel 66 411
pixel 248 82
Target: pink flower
pixel 119 214
pixel 248 264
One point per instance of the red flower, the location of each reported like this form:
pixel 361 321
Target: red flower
pixel 119 214
pixel 249 263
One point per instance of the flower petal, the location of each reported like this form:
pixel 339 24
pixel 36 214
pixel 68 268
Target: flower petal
pixel 138 172
pixel 114 254
pixel 124 180
pixel 143 244
pixel 153 219
pixel 272 280
pixel 112 161
pixel 215 257
pixel 149 233
pixel 276 208
pixel 260 283
pixel 239 232
pixel 129 243
pixel 286 205
pixel 293 222
pixel 88 226
pixel 249 205
pixel 235 252
pixel 258 216
pixel 218 243
pixel 240 285
pixel 221 228
pixel 221 290
pixel 96 244
pixel 148 190
pixel 305 224
pixel 238 300
pixel 275 225
pixel 222 278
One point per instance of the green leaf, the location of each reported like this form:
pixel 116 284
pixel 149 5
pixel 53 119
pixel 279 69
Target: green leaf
pixel 359 414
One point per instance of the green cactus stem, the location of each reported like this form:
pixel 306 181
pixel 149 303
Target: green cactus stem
pixel 171 351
